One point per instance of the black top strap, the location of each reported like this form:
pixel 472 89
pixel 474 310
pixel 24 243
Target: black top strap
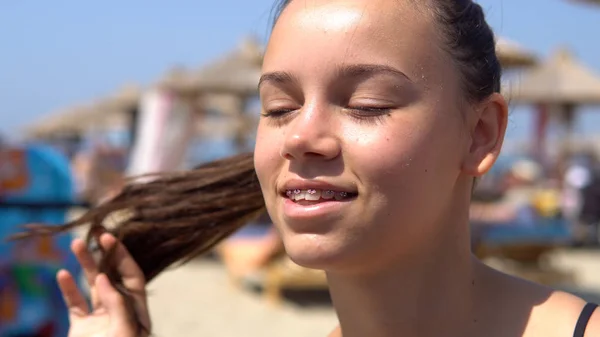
pixel 584 318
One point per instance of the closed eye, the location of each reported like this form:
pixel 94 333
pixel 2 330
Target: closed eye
pixel 276 113
pixel 372 110
pixel 370 115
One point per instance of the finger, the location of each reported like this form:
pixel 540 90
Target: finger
pixel 111 300
pixel 89 266
pixel 87 262
pixel 73 298
pixel 115 305
pixel 132 276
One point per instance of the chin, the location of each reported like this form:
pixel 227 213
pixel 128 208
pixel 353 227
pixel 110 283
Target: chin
pixel 316 251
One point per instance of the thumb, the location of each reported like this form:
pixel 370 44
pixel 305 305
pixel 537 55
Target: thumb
pixel 111 300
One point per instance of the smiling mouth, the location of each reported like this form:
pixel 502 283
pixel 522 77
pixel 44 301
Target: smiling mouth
pixel 312 196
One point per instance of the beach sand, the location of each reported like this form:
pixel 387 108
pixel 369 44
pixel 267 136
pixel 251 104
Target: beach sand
pixel 198 300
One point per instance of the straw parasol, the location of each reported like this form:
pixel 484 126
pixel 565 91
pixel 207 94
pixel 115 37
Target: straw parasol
pixel 236 72
pixel 126 98
pixel 560 80
pixel 512 55
pixel 560 84
pixel 223 86
pixel 109 113
pixel 64 121
pixel 179 80
pixel 77 120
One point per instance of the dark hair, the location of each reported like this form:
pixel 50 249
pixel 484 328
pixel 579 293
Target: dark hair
pixel 175 217
pixel 469 40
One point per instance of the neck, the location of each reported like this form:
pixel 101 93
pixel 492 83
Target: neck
pixel 430 293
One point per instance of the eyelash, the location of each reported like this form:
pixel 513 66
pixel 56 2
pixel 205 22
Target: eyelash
pixel 361 114
pixel 370 115
pixel 278 113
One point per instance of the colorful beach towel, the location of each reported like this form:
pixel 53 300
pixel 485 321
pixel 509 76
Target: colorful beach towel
pixel 35 187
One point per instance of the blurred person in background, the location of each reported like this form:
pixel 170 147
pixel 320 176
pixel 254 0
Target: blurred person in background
pixel 578 195
pixel 513 206
pixel 589 215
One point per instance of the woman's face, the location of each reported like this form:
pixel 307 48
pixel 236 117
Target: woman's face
pixel 364 139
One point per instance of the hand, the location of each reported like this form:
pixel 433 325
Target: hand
pixel 108 316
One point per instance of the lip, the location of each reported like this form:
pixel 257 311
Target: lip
pixel 323 210
pixel 316 217
pixel 302 184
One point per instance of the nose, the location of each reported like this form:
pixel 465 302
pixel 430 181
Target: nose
pixel 312 135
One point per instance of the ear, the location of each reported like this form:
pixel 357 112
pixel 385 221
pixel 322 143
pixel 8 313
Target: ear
pixel 488 127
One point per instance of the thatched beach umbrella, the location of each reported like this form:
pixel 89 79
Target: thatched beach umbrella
pixel 77 120
pixel 223 86
pixel 561 83
pixel 236 72
pixel 512 55
pixel 560 80
pixel 105 114
pixel 67 121
pixel 126 98
pixel 120 110
pixel 178 80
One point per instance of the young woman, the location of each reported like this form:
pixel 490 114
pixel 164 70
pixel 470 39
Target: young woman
pixel 378 116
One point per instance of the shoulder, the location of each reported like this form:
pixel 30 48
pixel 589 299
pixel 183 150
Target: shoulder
pixel 593 327
pixel 558 317
pixel 573 306
pixel 536 310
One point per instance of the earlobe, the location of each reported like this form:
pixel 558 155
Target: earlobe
pixel 487 136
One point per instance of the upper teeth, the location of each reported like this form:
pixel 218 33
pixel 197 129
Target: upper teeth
pixel 314 194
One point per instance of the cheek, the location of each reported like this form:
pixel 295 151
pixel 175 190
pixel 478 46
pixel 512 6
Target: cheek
pixel 384 150
pixel 404 155
pixel 266 156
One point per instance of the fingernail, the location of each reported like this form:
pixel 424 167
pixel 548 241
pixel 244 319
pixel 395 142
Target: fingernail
pixel 108 236
pixel 102 281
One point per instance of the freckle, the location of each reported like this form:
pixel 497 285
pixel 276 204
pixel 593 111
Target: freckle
pixel 426 170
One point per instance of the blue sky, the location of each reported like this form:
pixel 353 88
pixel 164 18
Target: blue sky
pixel 63 52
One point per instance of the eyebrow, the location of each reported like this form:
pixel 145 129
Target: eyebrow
pixel 345 71
pixel 367 70
pixel 276 77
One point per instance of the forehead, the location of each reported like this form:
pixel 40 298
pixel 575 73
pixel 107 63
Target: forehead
pixel 322 32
